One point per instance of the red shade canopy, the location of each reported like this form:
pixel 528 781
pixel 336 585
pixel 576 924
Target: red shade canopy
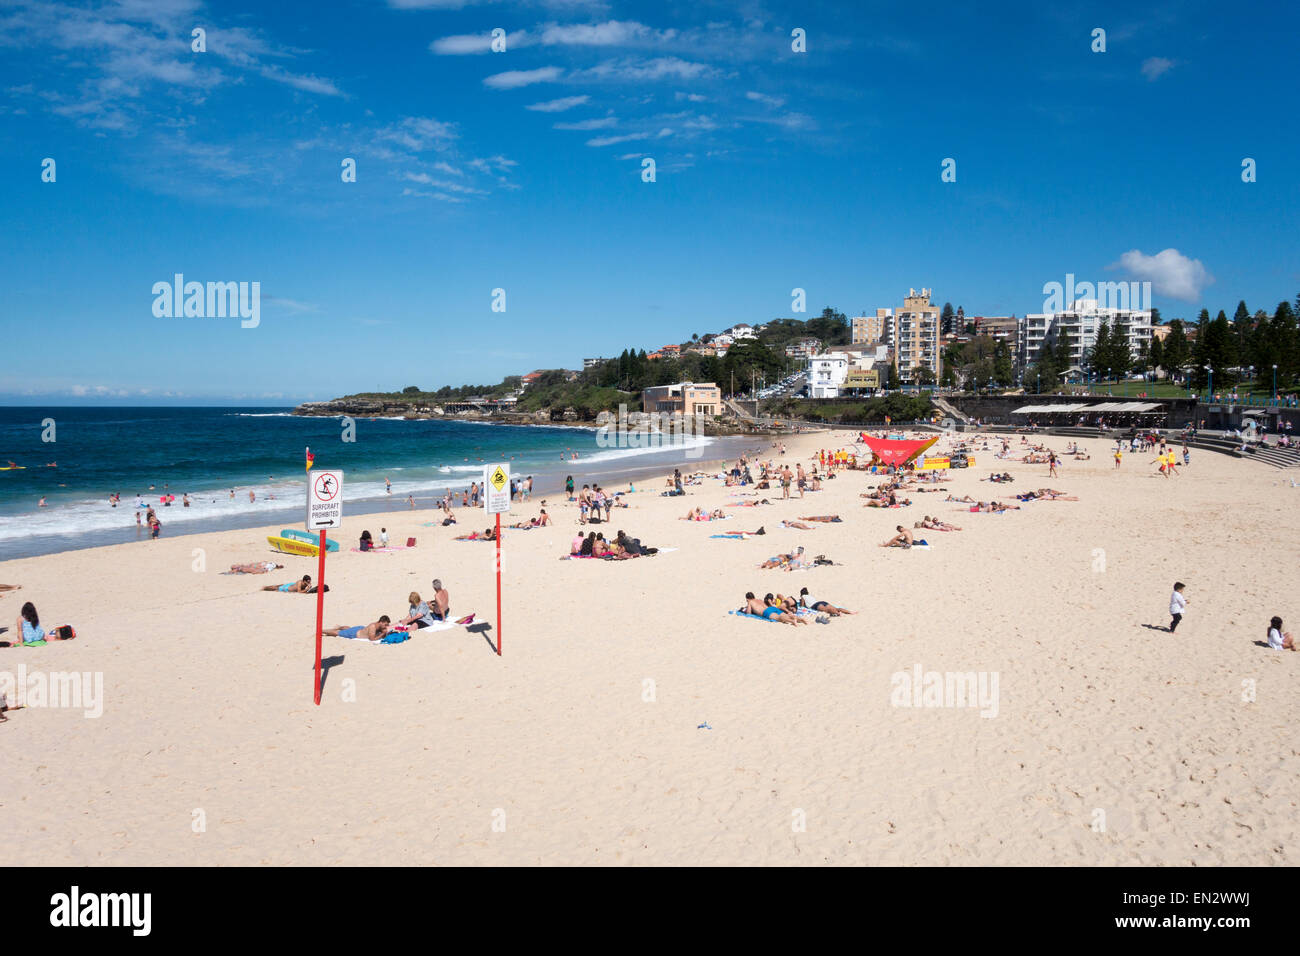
pixel 895 451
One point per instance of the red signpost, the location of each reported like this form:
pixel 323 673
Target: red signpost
pixel 324 510
pixel 498 537
pixel 496 500
pixel 320 609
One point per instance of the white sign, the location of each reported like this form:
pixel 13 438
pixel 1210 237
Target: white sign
pixel 496 489
pixel 324 500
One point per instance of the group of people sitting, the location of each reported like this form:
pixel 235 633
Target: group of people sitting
pixel 422 614
pixel 622 547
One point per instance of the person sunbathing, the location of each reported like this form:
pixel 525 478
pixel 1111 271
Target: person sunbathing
pixel 934 524
pixel 796 524
pixel 261 567
pixel 806 600
pixel 293 587
pixel 903 539
pixel 1051 494
pixel 964 498
pixel 740 534
pixel 778 560
pixel 774 612
pixel 363 632
pixel 830 519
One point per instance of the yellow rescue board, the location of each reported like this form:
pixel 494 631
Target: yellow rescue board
pixel 290 546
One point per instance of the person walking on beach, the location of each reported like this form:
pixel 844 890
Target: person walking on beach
pixel 1051 465
pixel 568 487
pixel 1119 456
pixel 1177 604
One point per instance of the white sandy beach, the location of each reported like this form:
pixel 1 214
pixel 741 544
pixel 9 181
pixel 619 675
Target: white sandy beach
pixel 208 713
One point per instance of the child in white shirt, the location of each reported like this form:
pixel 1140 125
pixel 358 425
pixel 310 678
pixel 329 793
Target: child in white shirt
pixel 1177 603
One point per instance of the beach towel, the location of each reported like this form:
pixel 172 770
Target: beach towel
pixel 742 536
pixel 391 549
pixel 802 612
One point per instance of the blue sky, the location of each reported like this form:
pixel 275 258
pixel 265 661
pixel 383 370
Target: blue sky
pixel 521 170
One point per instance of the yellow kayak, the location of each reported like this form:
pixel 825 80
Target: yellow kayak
pixel 290 546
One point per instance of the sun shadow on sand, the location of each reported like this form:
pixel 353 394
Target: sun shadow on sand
pixel 325 664
pixel 1157 627
pixel 482 627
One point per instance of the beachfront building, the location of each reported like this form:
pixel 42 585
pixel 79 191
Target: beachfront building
pixel 867 329
pixel 683 398
pixel 593 362
pixel 1004 328
pixel 1080 323
pixel 741 331
pixel 804 348
pixel 826 374
pixel 916 337
pixel 846 370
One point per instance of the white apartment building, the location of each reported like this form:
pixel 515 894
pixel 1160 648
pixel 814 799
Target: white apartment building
pixel 1081 322
pixel 916 337
pixel 828 372
pixel 741 330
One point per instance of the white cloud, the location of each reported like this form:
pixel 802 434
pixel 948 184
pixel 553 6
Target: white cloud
pixel 1156 66
pixel 610 33
pixel 776 102
pixel 648 71
pixel 419 133
pixel 690 97
pixel 513 79
pixel 469 43
pixel 605 122
pixel 558 106
pixel 612 140
pixel 1170 273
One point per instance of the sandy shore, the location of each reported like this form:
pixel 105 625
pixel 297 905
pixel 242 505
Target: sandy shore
pixel 583 744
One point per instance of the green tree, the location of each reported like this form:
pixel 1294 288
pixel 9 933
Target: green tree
pixel 1003 366
pixel 1176 349
pixel 1156 353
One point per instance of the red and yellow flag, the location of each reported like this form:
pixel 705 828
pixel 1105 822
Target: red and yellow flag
pixel 311 459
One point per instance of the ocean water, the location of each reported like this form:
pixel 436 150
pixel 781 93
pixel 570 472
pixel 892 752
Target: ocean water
pixel 207 452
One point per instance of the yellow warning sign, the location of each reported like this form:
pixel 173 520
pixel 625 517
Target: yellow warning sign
pixel 499 478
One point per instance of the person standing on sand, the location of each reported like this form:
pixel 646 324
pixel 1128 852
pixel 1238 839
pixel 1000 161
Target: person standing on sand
pixel 1051 465
pixel 1177 604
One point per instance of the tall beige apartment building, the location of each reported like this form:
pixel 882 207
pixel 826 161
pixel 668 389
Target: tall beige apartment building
pixel 869 329
pixel 916 336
